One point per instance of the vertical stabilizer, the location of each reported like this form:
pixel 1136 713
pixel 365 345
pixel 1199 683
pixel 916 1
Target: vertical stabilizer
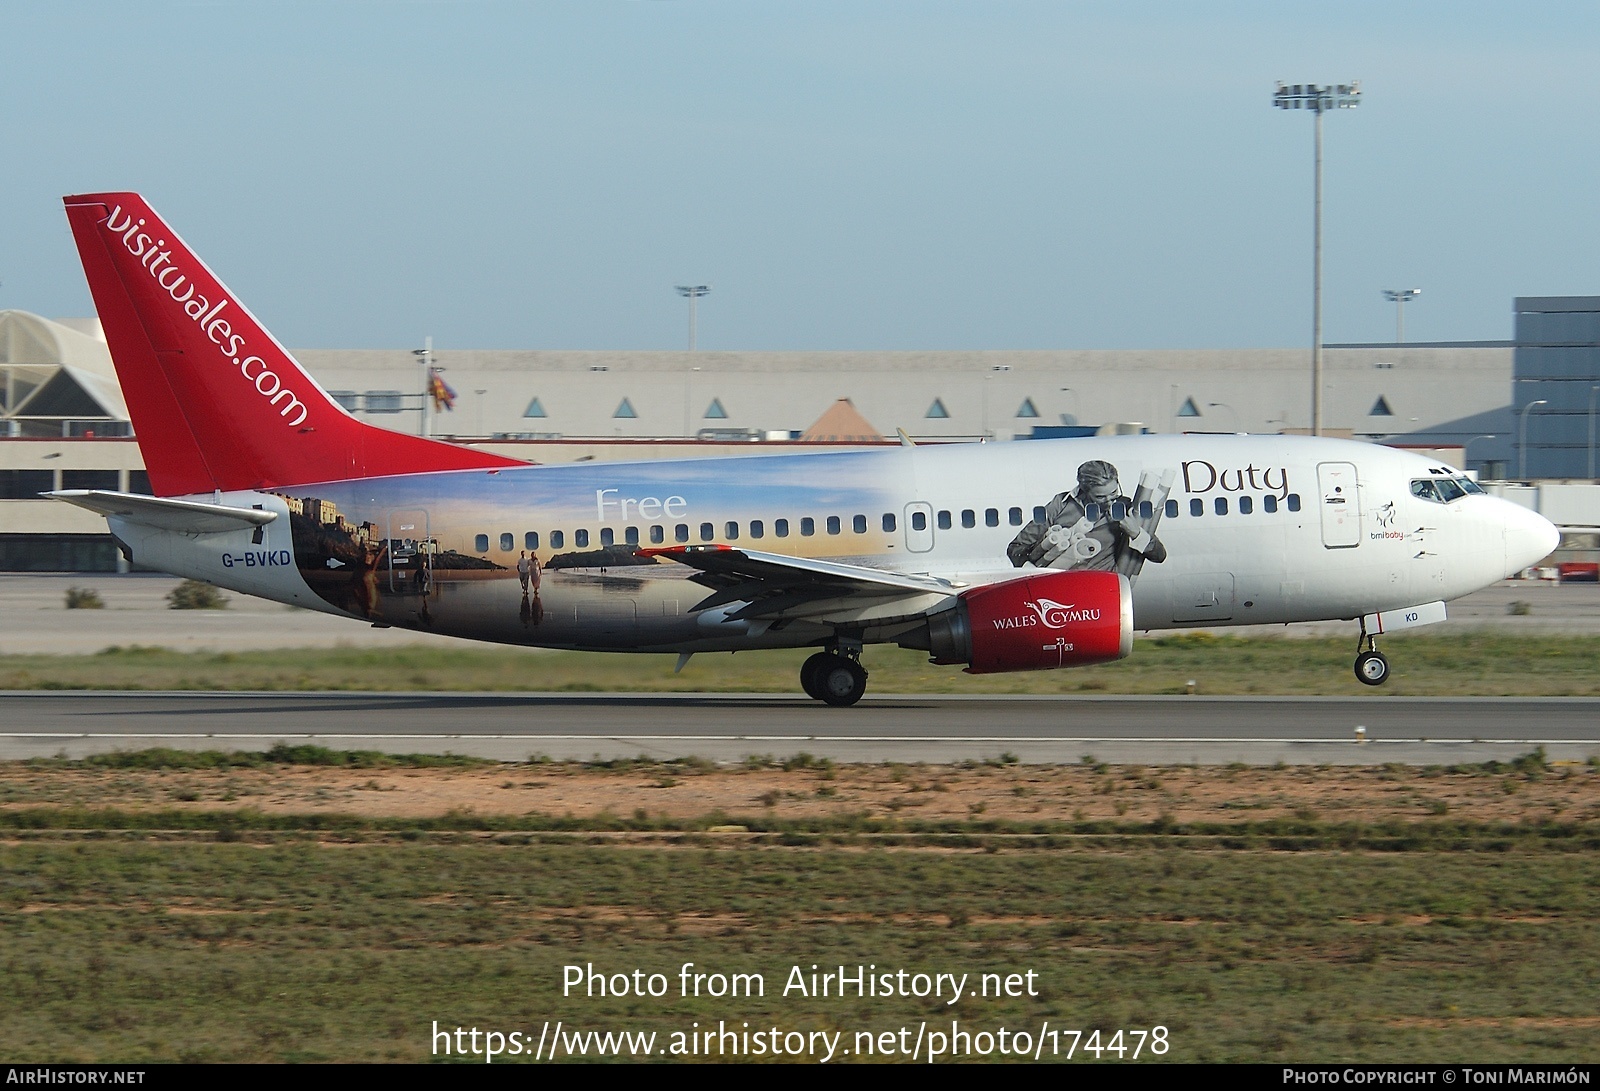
pixel 216 402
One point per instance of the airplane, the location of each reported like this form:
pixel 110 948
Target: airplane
pixel 996 556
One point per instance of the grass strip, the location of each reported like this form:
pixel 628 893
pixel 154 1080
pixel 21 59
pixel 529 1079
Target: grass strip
pixel 297 950
pixel 1469 662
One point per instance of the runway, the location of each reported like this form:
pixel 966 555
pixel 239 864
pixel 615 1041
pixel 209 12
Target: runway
pixel 730 727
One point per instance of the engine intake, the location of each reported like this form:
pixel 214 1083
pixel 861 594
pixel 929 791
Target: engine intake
pixel 1037 622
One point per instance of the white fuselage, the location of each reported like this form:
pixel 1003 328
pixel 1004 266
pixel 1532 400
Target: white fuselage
pixel 1215 530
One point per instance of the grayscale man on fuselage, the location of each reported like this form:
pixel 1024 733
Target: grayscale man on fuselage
pixel 1094 528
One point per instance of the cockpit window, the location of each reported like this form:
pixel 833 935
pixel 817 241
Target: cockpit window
pixel 1424 489
pixel 1442 490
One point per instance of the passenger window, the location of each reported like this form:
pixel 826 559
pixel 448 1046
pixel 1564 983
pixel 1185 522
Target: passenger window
pixel 680 533
pixel 1015 516
pixel 1294 501
pixel 658 534
pixel 808 527
pixel 730 530
pixel 1221 504
pixel 1119 511
pixel 1092 511
pixel 580 538
pixel 530 540
pixel 833 524
pixel 780 527
pixel 1197 506
pixel 1269 503
pixel 558 539
pixel 1146 509
pixel 607 538
pixel 944 520
pixel 707 532
pixel 1246 505
pixel 1038 514
pixel 991 517
pixel 507 542
pixel 481 543
pixel 919 520
pixel 888 522
pixel 757 529
pixel 859 524
pixel 1172 509
pixel 631 535
pixel 969 518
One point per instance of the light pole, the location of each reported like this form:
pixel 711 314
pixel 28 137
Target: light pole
pixel 1308 96
pixel 1400 297
pixel 1522 445
pixel 424 355
pixel 1469 443
pixel 1229 408
pixel 688 394
pixel 693 292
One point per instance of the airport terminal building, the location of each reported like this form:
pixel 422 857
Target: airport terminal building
pixel 1520 409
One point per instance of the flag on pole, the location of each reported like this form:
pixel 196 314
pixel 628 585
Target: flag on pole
pixel 439 390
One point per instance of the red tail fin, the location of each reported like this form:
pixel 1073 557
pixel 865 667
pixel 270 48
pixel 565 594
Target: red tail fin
pixel 216 402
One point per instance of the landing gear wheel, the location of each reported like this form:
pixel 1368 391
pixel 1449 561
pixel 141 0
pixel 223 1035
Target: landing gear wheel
pixel 810 671
pixel 1372 669
pixel 842 681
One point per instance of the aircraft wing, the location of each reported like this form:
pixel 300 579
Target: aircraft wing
pixel 176 516
pixel 774 586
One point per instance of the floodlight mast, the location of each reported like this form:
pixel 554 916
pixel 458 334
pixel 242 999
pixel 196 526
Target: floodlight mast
pixel 693 292
pixel 1309 96
pixel 1400 297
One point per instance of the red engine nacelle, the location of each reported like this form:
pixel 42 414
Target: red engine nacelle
pixel 1037 622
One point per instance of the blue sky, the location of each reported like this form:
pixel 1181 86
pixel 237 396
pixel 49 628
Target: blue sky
pixel 917 175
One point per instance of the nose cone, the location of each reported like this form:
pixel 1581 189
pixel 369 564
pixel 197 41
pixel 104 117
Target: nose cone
pixel 1530 538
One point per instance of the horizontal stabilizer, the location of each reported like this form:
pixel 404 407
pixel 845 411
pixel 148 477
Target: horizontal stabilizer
pixel 175 516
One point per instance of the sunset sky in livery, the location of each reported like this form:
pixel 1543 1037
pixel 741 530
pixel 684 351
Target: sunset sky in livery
pixel 564 498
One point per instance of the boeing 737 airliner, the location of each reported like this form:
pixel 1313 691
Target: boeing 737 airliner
pixel 1001 557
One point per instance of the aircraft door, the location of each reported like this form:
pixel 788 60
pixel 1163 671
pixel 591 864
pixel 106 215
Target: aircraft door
pixel 408 552
pixel 1340 503
pixel 919 527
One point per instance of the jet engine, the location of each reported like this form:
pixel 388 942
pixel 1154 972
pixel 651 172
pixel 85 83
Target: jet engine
pixel 1035 622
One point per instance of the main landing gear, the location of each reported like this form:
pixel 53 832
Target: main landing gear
pixel 834 678
pixel 1372 669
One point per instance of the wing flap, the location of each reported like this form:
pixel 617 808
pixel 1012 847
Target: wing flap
pixel 774 586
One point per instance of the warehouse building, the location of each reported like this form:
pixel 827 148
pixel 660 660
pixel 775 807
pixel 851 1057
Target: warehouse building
pixel 63 423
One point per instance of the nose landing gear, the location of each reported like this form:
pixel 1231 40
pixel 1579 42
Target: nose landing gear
pixel 1372 669
pixel 834 678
